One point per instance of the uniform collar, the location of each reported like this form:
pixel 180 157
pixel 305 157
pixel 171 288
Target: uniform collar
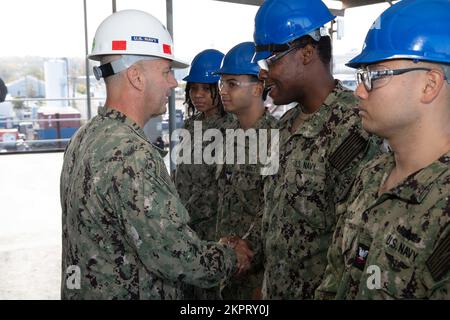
pixel 113 114
pixel 260 123
pixel 416 187
pixel 314 124
pixel 263 120
pixel 201 117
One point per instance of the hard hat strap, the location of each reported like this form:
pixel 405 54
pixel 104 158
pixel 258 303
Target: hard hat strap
pixel 116 66
pixel 316 35
pixel 109 69
pixel 272 47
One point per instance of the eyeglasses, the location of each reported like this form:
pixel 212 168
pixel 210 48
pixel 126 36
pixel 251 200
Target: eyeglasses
pixel 380 76
pixel 234 84
pixel 266 63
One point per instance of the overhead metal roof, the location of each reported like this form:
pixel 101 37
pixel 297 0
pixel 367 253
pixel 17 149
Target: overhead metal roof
pixel 358 3
pixel 346 4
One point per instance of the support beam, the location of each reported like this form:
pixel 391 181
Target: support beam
pixel 172 112
pixel 249 2
pixel 336 12
pixel 86 47
pixel 358 3
pixel 345 3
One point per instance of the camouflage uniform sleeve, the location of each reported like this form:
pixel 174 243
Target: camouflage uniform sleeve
pixel 333 275
pixel 439 266
pixel 254 237
pixel 181 176
pixel 154 223
pixel 182 179
pixel 327 290
pixel 436 271
pixel 256 233
pixel 354 148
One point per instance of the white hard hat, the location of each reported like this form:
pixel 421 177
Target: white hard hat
pixel 133 32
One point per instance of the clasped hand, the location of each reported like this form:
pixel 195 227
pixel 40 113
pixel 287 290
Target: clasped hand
pixel 243 252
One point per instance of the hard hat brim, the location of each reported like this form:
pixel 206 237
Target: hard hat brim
pixel 236 71
pixel 178 64
pixel 174 63
pixel 260 56
pixel 194 79
pixel 377 56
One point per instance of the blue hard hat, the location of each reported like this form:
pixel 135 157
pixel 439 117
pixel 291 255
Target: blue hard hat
pixel 282 21
pixel 410 29
pixel 239 60
pixel 204 65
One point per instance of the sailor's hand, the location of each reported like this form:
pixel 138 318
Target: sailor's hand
pixel 242 250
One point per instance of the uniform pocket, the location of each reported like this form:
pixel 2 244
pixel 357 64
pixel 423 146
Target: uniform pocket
pixel 399 260
pixel 248 178
pixel 304 183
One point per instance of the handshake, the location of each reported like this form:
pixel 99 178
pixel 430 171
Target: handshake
pixel 242 250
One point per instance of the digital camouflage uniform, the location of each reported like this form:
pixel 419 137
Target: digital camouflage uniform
pixel 241 201
pixel 405 232
pixel 196 183
pixel 317 164
pixel 123 224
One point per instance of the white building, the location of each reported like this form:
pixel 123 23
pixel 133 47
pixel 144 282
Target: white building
pixel 28 86
pixel 56 82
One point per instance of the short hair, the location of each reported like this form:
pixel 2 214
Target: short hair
pixel 323 46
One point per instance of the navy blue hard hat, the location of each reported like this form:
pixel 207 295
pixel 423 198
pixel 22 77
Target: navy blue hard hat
pixel 282 21
pixel 411 29
pixel 203 67
pixel 239 60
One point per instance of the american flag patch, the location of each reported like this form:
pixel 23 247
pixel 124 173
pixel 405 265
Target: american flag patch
pixel 439 262
pixel 119 45
pixel 167 49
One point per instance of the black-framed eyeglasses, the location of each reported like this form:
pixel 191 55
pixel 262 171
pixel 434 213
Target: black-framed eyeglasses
pixel 267 62
pixel 379 76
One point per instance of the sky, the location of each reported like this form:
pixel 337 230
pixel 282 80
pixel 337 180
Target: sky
pixel 55 28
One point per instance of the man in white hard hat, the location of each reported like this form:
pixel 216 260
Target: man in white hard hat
pixel 125 231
